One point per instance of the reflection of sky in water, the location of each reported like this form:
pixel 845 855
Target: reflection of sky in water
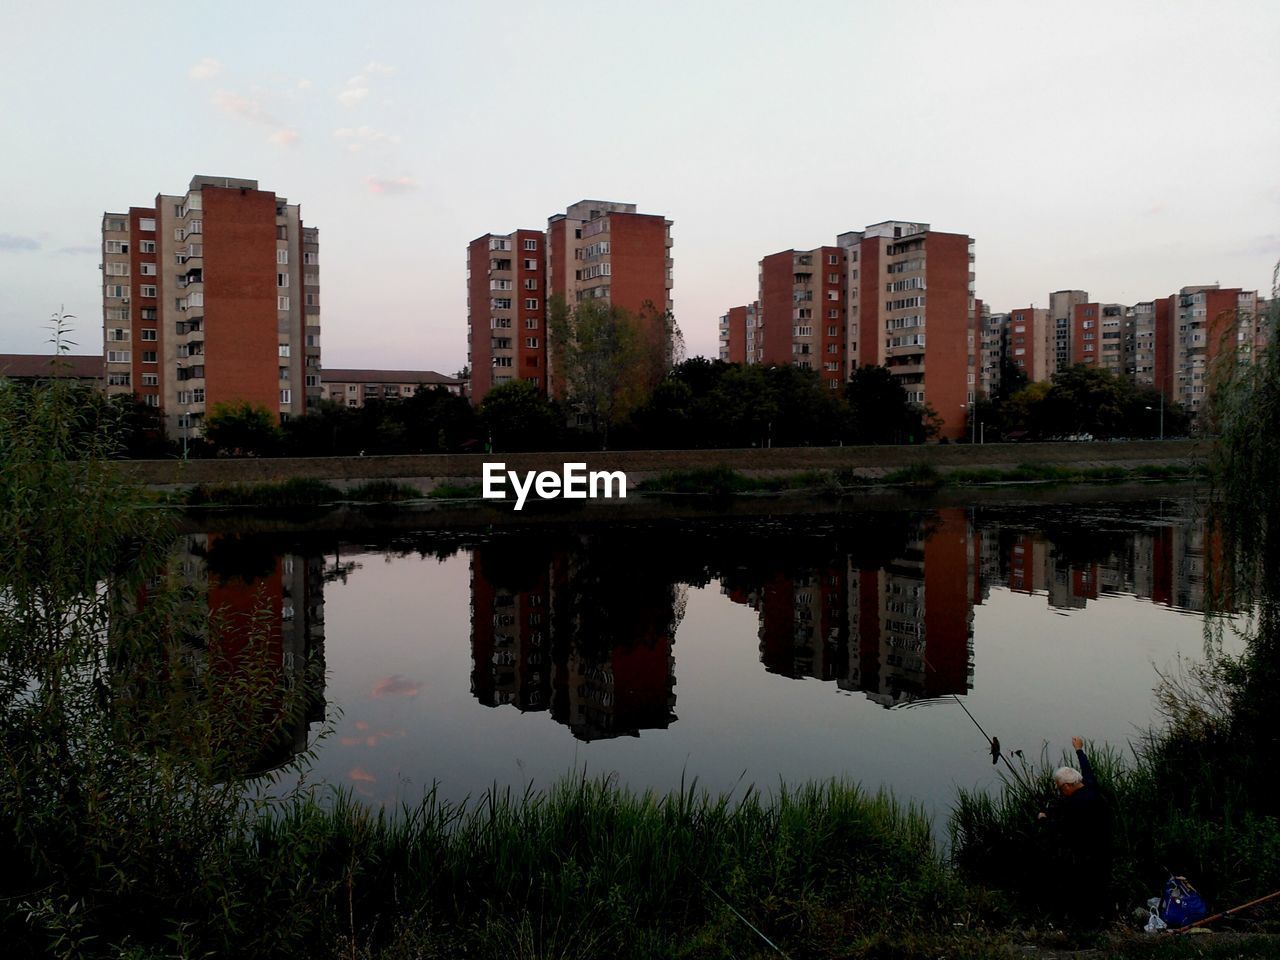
pixel 398 650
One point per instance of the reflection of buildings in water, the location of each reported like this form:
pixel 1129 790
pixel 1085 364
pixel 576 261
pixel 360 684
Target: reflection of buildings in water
pixel 510 645
pixel 255 594
pixel 543 638
pixel 898 632
pixel 1165 564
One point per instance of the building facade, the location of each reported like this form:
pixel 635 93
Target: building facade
pixel 905 279
pixel 597 251
pixel 209 297
pixel 804 309
pixel 506 310
pixel 352 388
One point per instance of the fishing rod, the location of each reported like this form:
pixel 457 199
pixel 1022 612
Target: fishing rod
pixel 992 743
pixel 1226 913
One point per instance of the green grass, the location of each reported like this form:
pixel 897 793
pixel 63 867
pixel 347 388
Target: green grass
pixel 381 491
pixel 288 493
pixel 455 491
pixel 588 869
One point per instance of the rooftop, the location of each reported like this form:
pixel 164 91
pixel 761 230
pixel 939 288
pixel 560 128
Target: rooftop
pixel 36 366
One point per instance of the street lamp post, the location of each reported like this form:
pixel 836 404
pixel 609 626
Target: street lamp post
pixel 1161 415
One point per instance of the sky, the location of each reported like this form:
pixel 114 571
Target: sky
pixel 1127 149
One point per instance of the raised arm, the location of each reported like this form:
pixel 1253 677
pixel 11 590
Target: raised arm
pixel 1086 769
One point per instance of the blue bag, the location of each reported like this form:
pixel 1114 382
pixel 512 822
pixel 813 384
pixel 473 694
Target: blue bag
pixel 1180 904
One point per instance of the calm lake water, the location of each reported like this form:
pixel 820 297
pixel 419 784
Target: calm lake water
pixel 736 652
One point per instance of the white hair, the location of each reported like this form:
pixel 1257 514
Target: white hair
pixel 1065 775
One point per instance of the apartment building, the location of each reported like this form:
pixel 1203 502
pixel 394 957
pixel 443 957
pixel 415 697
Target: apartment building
pixel 905 278
pixel 352 388
pixel 804 309
pixel 1207 321
pixel 1062 304
pixel 597 250
pixel 1029 341
pixel 604 250
pixel 991 352
pixel 212 296
pixel 733 335
pixel 1099 335
pixel 1151 344
pixel 506 310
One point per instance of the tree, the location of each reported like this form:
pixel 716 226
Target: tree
pixel 1012 379
pixel 243 429
pixel 880 411
pixel 605 359
pixel 518 417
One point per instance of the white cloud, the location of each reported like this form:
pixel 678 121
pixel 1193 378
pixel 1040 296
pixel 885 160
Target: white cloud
pixel 207 67
pixel 357 89
pixel 376 66
pixel 366 134
pixel 304 84
pixel 391 185
pixel 251 110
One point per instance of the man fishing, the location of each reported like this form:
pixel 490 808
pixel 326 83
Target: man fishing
pixel 1078 826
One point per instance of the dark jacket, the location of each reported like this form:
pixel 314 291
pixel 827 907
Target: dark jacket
pixel 1081 822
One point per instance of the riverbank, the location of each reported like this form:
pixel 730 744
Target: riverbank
pixel 485 515
pixel 428 472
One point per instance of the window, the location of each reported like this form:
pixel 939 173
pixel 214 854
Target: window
pixel 147 246
pixel 151 400
pixel 833 278
pixel 148 356
pixel 117 269
pixel 117 246
pixel 833 331
pixel 313 339
pixel 502 361
pixel 499 284
pixel 282 255
pixel 531 244
pixel 147 290
pixel 531 342
pixel 531 284
pixel 119 356
pixel 117 313
pixel 312 299
pixel 117 290
pixel 284 349
pixel 151 379
pixel 284 373
pixel 150 313
pixel 118 335
pixel 531 264
pixel 286 396
pixel 148 333
pixel 147 269
pixel 282 303
pixel 531 304
pixel 833 258
pixel 148 224
pixel 117 379
pixel 531 323
pixel 195 226
pixel 310 258
pixel 282 280
pixel 312 380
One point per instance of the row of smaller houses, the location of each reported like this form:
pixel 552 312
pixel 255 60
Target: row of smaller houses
pixel 350 387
